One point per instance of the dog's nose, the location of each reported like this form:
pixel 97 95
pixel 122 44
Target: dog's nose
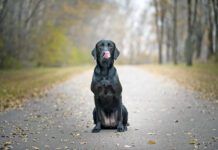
pixel 106 54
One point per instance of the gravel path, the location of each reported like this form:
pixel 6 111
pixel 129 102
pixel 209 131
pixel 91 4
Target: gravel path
pixel 162 115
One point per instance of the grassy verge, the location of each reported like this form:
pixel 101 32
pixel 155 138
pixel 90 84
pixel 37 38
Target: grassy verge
pixel 18 85
pixel 200 77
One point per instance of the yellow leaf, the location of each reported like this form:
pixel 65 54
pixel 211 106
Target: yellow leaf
pixel 193 141
pixel 151 133
pixel 151 142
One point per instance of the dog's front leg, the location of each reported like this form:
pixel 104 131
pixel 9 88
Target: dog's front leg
pixel 97 127
pixel 120 126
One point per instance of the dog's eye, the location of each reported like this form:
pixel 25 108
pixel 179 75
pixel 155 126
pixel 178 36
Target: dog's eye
pixel 100 46
pixel 109 45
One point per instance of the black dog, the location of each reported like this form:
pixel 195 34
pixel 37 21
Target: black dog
pixel 109 112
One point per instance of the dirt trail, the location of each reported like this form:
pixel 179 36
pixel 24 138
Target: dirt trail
pixel 162 115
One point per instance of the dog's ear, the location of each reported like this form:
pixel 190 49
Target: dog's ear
pixel 94 53
pixel 116 53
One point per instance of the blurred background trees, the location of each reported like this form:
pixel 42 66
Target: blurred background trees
pixel 193 23
pixel 61 33
pixel 38 32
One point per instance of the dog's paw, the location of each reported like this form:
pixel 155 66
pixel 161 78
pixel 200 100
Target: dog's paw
pixel 121 128
pixel 105 82
pixel 96 129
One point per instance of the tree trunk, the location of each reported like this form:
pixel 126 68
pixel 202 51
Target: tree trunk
pixel 210 32
pixel 191 22
pixel 159 30
pixel 162 18
pixel 188 45
pixel 175 33
pixel 168 45
pixel 215 8
pixel 199 45
pixel 200 29
pixel 189 52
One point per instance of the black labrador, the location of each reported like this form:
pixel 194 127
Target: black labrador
pixel 109 111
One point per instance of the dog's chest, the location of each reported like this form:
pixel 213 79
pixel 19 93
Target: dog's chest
pixel 106 93
pixel 109 120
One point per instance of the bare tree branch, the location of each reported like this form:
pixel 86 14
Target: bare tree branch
pixel 33 12
pixel 3 12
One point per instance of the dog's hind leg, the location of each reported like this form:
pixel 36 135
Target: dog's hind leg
pixel 125 117
pixel 94 116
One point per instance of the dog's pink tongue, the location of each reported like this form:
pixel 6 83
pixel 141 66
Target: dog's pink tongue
pixel 107 54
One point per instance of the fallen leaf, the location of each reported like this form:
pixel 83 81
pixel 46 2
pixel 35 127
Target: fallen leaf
pixel 151 142
pixel 193 141
pixel 127 146
pixel 118 134
pixel 9 147
pixel 7 143
pixel 215 138
pixel 77 134
pixel 35 148
pixel 151 133
pixel 188 133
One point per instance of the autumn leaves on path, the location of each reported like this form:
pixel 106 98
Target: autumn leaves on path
pixel 162 115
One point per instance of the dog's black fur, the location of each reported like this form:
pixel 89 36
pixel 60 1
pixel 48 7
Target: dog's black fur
pixel 109 112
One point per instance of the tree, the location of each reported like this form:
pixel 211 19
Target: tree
pixel 215 8
pixel 191 22
pixel 200 28
pixel 39 32
pixel 159 20
pixel 168 39
pixel 175 32
pixel 210 30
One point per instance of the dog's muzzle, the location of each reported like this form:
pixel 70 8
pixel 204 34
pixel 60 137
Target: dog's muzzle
pixel 106 54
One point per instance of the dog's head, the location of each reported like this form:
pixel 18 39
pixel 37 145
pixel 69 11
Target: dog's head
pixel 105 52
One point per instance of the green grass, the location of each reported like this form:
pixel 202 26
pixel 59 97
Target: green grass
pixel 200 77
pixel 16 86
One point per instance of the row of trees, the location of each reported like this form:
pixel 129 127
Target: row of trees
pixel 39 32
pixel 186 29
pixel 57 33
pixel 20 23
